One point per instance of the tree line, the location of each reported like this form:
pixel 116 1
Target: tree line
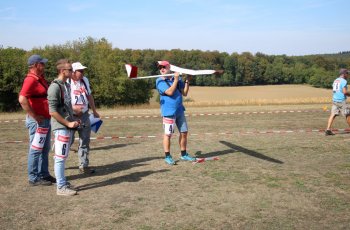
pixel 111 86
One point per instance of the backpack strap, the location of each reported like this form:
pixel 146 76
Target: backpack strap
pixel 62 94
pixel 177 87
pixel 87 92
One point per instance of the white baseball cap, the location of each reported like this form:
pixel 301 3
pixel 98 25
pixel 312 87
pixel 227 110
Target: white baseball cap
pixel 77 66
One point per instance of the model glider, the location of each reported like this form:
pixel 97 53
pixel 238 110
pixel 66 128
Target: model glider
pixel 201 160
pixel 132 72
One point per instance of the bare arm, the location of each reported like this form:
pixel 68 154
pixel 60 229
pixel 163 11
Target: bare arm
pixel 92 105
pixel 26 107
pixel 63 121
pixel 187 85
pixel 345 92
pixel 173 87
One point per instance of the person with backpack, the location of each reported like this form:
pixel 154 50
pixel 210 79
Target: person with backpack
pixel 82 100
pixel 33 99
pixel 62 123
pixel 171 89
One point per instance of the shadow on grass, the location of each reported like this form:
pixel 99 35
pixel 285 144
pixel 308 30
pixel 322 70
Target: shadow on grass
pixel 236 148
pixel 106 147
pixel 112 168
pixel 132 177
pixel 114 146
pixel 346 132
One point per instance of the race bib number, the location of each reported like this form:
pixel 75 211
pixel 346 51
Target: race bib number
pixel 168 126
pixel 39 138
pixel 79 99
pixel 79 96
pixel 336 86
pixel 62 146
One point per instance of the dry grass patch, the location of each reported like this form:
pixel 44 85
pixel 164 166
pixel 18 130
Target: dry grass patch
pixel 295 180
pixel 262 181
pixel 257 95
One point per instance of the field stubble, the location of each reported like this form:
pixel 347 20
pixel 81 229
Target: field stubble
pixel 294 180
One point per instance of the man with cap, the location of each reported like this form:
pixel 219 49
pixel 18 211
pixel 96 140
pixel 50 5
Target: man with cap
pixel 33 99
pixel 340 92
pixel 82 99
pixel 171 89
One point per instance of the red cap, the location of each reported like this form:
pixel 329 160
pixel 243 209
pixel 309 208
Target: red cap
pixel 163 63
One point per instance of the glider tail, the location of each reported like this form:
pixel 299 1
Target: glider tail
pixel 131 70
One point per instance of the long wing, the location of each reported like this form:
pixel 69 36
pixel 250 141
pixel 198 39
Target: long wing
pixel 132 72
pixel 191 71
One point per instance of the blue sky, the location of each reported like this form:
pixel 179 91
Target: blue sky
pixel 291 27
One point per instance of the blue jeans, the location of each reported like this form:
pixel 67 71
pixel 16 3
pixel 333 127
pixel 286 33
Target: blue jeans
pixel 38 161
pixel 62 146
pixel 181 122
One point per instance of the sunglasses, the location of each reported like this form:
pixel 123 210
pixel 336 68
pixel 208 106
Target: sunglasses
pixel 70 70
pixel 161 67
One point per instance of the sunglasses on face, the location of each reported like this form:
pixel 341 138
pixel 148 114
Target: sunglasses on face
pixel 161 67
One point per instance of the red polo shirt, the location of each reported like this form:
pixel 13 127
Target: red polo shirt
pixel 35 90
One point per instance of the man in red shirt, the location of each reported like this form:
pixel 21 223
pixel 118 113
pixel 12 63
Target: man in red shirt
pixel 33 99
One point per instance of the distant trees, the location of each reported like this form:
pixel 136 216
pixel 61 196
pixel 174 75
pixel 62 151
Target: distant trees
pixel 112 87
pixel 12 66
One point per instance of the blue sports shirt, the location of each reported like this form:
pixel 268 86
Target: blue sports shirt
pixel 338 85
pixel 170 105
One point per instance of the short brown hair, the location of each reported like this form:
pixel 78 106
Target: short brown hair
pixel 61 64
pixel 343 71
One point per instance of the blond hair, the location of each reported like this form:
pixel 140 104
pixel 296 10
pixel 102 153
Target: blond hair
pixel 61 64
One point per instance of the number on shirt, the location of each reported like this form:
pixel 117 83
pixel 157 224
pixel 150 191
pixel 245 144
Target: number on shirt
pixel 336 86
pixel 77 101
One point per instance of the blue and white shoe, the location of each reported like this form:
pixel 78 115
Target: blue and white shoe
pixel 169 160
pixel 187 157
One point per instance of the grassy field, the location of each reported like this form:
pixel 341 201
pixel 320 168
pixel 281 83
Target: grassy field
pixel 276 170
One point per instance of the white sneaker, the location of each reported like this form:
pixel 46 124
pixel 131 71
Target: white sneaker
pixel 66 191
pixel 69 185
